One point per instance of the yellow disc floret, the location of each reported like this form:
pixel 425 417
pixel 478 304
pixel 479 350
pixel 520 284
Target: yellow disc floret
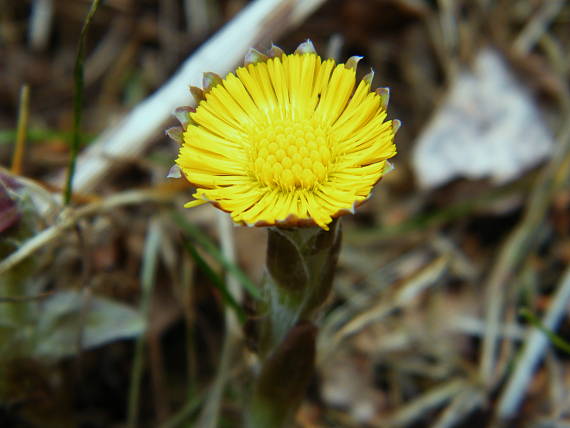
pixel 290 155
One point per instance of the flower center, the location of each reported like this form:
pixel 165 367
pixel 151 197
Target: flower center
pixel 290 154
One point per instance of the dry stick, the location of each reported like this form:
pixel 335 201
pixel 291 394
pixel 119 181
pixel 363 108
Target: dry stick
pixel 515 248
pixel 533 352
pixel 23 116
pixel 70 217
pixel 260 22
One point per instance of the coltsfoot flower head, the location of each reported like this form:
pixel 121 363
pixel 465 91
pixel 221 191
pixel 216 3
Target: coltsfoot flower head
pixel 286 140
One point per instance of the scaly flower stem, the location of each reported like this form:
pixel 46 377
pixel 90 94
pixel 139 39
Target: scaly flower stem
pixel 300 270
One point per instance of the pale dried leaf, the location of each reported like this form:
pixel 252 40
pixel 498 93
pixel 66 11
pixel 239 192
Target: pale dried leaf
pixel 104 321
pixel 488 127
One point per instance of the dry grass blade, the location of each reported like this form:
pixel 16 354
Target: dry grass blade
pixel 226 233
pixel 210 413
pixel 149 264
pixel 21 299
pixel 533 351
pixel 23 116
pixel 218 255
pixel 406 292
pixel 40 24
pixel 534 30
pixel 70 217
pixel 196 12
pixel 519 243
pixel 464 403
pixel 431 399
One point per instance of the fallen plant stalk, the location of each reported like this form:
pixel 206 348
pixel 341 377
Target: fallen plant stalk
pixel 70 216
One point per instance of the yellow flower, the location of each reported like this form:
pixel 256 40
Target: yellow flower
pixel 287 140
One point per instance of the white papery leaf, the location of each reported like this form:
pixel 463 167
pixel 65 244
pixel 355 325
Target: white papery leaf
pixel 488 127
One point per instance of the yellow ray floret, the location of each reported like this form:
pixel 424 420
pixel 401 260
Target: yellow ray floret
pixel 288 141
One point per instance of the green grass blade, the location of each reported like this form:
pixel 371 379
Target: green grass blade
pixel 217 280
pixel 78 103
pixel 555 339
pixel 207 245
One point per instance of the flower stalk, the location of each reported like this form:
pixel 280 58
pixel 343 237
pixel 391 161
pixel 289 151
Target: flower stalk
pixel 300 269
pixel 285 375
pixel 298 281
pixel 290 142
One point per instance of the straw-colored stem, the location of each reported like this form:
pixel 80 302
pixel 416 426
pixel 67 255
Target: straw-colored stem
pixel 23 116
pixel 149 265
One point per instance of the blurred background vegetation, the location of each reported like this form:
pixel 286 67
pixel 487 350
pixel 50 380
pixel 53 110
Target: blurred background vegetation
pixel 452 296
